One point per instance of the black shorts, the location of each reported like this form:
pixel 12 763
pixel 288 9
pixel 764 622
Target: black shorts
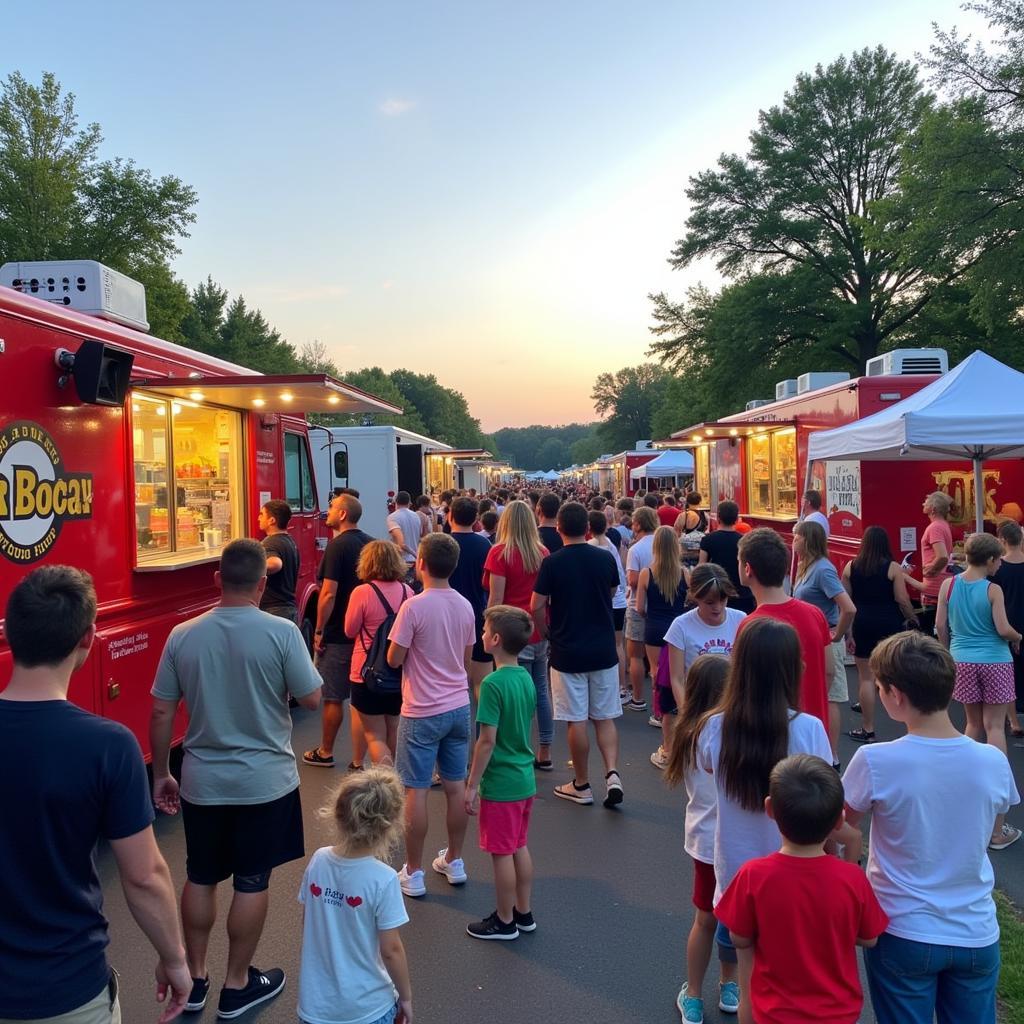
pixel 479 654
pixel 241 839
pixel 666 700
pixel 619 615
pixel 366 702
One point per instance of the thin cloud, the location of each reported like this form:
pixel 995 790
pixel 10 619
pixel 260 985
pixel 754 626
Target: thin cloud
pixel 308 293
pixel 396 107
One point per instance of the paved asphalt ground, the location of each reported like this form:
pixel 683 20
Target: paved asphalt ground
pixel 612 901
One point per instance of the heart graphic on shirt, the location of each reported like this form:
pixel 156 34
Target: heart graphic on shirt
pixel 315 889
pixel 354 901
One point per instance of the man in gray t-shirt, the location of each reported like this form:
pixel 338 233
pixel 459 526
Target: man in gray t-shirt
pixel 234 667
pixel 405 527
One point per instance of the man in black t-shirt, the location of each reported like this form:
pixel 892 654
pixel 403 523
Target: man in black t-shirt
pixel 722 546
pixel 576 584
pixel 332 649
pixel 547 511
pixel 282 561
pixel 67 780
pixel 468 579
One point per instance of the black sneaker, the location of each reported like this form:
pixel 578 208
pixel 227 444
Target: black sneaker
pixel 493 928
pixel 197 997
pixel 613 796
pixel 263 985
pixel 524 922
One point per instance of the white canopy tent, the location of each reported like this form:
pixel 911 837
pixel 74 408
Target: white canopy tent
pixel 673 462
pixel 974 412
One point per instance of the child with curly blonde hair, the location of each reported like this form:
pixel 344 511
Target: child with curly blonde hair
pixel 353 962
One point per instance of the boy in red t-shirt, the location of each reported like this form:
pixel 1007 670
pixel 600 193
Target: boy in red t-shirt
pixel 763 562
pixel 797 916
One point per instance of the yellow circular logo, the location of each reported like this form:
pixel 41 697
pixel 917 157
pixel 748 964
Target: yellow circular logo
pixel 37 496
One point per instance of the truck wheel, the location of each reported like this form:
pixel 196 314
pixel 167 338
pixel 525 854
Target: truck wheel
pixel 308 629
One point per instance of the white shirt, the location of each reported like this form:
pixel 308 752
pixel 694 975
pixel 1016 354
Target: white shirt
pixel 694 637
pixel 619 597
pixel 411 525
pixel 742 835
pixel 638 558
pixel 348 901
pixel 701 815
pixel 933 803
pixel 817 517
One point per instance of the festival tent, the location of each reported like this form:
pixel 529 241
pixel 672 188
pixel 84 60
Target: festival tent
pixel 674 463
pixel 974 412
pixel 551 474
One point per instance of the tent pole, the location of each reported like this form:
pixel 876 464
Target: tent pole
pixel 979 497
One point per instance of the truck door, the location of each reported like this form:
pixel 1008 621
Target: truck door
pixel 410 468
pixel 300 493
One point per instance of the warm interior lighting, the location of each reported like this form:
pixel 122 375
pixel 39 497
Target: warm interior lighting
pixel 286 396
pixel 175 408
pixel 733 432
pixel 258 402
pixel 333 399
pixel 696 437
pixel 196 396
pixel 136 407
pixel 709 431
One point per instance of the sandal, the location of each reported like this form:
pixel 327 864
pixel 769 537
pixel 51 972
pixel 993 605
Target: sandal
pixel 855 708
pixel 314 757
pixel 543 766
pixel 861 735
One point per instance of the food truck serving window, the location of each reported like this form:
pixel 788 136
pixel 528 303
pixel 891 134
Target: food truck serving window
pixel 772 473
pixel 702 472
pixel 188 479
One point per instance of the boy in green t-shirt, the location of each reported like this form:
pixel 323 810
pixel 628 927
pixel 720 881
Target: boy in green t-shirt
pixel 501 784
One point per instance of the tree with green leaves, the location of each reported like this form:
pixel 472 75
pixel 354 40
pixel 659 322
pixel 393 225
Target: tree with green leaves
pixel 59 200
pixel 802 199
pixel 627 400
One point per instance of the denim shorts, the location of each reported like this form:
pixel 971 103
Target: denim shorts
pixel 442 739
pixel 335 666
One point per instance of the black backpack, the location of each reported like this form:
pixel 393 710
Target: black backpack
pixel 378 675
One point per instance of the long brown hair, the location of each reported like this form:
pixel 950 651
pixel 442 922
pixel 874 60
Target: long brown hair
pixel 763 690
pixel 874 553
pixel 666 562
pixel 705 684
pixel 815 545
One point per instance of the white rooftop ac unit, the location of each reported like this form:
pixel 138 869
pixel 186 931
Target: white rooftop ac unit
pixel 785 388
pixel 813 381
pixel 903 361
pixel 82 285
pixel 757 403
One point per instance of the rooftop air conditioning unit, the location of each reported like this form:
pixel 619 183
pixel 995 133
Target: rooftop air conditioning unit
pixel 757 403
pixel 813 381
pixel 785 389
pixel 83 285
pixel 904 361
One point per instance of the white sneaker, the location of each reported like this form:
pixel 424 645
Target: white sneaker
pixel 454 871
pixel 660 758
pixel 412 884
pixel 654 722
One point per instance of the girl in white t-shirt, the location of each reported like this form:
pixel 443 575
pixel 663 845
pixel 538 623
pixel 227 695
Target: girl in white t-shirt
pixel 740 744
pixel 705 684
pixel 354 969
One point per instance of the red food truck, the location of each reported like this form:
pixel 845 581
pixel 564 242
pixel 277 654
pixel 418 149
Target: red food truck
pixel 758 458
pixel 137 460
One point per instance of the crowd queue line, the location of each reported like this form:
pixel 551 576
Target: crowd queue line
pixel 544 607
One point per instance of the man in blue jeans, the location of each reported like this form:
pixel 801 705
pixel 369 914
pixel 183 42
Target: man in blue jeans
pixel 936 798
pixel 432 640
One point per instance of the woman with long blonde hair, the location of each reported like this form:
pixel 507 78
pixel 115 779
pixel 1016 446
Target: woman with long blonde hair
pixel 510 572
pixel 661 596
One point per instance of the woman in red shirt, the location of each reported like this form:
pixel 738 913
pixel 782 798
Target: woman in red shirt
pixel 382 570
pixel 509 575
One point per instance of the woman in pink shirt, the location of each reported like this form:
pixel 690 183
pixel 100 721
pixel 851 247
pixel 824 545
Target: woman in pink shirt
pixel 382 570
pixel 936 549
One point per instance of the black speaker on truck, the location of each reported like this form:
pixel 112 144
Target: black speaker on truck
pixel 102 373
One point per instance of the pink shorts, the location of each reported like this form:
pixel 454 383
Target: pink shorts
pixel 703 885
pixel 504 825
pixel 984 684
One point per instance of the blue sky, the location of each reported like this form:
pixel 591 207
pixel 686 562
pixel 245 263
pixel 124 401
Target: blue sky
pixel 483 191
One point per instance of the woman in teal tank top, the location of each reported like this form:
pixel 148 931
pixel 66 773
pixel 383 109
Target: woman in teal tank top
pixel 971 621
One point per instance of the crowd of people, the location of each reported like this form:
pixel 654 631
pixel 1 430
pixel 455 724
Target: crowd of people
pixel 473 627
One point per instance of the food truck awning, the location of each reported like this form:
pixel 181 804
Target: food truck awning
pixel 714 430
pixel 462 453
pixel 293 392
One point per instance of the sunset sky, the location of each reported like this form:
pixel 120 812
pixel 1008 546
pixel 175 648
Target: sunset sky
pixel 482 191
